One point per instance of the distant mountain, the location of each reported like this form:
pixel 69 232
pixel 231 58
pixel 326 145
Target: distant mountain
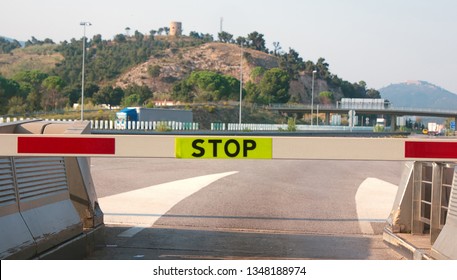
pixel 419 94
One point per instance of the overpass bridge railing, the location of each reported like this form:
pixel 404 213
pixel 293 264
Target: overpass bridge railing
pixel 329 107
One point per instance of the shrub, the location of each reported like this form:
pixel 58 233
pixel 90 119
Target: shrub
pixel 154 71
pixel 291 126
pixel 378 128
pixel 163 127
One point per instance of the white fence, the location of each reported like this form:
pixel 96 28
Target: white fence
pixel 131 125
pixel 15 119
pixel 276 127
pixel 173 125
pixel 144 125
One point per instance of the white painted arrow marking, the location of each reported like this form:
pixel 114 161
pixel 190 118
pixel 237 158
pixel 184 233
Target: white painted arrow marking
pixel 142 208
pixel 374 200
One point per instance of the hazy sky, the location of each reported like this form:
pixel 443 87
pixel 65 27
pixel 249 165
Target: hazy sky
pixel 378 41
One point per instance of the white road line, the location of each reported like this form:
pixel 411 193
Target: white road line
pixel 374 200
pixel 131 232
pixel 142 208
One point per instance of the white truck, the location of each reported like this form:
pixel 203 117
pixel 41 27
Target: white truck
pixel 432 128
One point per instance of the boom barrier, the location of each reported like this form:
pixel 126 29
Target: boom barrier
pixel 326 148
pixel 47 195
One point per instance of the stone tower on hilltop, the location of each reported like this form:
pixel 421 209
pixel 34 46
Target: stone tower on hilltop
pixel 175 28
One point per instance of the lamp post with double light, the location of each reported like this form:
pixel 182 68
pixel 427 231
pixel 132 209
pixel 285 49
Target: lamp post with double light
pixel 312 97
pixel 84 24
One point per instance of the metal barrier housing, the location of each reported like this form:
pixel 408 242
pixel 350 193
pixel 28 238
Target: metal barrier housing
pixel 426 205
pixel 46 201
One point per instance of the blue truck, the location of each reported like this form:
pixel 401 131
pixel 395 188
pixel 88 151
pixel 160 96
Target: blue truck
pixel 135 114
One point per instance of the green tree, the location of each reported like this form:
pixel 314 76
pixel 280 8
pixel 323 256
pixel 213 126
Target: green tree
pixel 195 35
pixel 16 106
pixel 139 37
pixel 206 86
pixel 183 91
pixel 257 73
pixel 274 87
pixel 7 46
pixel 8 89
pixel 225 37
pixel 35 41
pixel 53 97
pixel 97 39
pixel 252 92
pixel 322 68
pixel 141 94
pixel 241 41
pixel 372 93
pixel 120 38
pixel 131 100
pixel 30 80
pixel 211 86
pixel 90 89
pixel 30 83
pixel 256 41
pixel 109 95
pixel 326 97
pixel 72 93
pixel 292 63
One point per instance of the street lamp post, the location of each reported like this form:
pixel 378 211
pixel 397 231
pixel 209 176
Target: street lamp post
pixel 84 24
pixel 241 79
pixel 312 98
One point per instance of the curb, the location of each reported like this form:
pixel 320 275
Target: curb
pixel 77 248
pixel 405 248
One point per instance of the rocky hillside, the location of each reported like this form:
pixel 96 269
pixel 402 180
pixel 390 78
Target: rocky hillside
pixel 176 64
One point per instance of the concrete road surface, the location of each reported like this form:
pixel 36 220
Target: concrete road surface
pixel 244 209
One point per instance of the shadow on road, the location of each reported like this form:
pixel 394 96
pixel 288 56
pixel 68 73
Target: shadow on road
pixel 159 243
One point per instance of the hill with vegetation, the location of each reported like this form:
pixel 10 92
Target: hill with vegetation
pixel 42 58
pixel 140 69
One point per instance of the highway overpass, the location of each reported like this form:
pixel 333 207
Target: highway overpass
pixel 390 111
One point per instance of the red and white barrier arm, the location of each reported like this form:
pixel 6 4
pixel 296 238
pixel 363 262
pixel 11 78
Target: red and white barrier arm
pixel 198 147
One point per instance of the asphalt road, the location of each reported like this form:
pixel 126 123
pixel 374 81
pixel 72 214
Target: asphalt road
pixel 244 209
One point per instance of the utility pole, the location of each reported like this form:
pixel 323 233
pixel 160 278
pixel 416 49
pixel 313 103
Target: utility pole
pixel 312 98
pixel 241 78
pixel 84 24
